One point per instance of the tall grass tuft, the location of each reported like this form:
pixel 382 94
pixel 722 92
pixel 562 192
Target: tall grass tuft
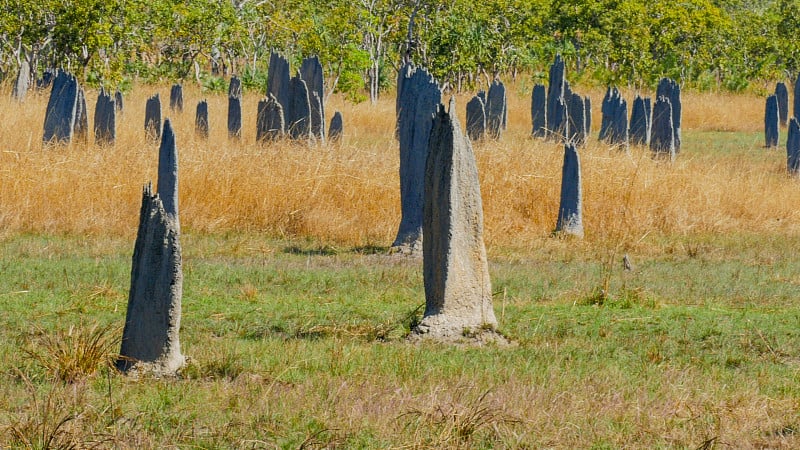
pixel 77 353
pixel 458 422
pixel 48 423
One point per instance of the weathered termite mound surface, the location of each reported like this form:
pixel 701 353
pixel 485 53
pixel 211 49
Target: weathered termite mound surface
pixel 62 107
pixel 539 111
pixel 278 77
pixel 311 72
pixel 150 339
pixel 640 121
pixel 570 210
pixel 22 83
pixel 152 118
pixel 476 119
pixel 81 130
pixel 269 121
pixel 576 115
pixel 793 147
pixel 298 115
pixel 614 123
pixel 235 109
pixel 201 120
pixel 771 122
pixel 670 89
pixel 176 98
pixel 118 99
pixel 336 129
pixel 662 133
pixel 496 109
pixel 782 93
pixel 416 107
pixel 105 119
pixel 458 291
pixel 556 111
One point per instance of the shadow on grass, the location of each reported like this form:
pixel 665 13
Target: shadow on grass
pixel 316 251
pixel 364 331
pixel 391 328
pixel 370 250
pixel 327 250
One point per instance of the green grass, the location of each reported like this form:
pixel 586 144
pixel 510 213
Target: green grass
pixel 300 344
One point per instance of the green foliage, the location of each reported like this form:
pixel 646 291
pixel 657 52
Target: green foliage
pixel 211 83
pixel 253 79
pixel 703 43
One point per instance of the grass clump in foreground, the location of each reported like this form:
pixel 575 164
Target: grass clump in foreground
pixel 77 353
pixel 294 347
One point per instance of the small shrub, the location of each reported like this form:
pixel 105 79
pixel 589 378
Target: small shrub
pixel 214 84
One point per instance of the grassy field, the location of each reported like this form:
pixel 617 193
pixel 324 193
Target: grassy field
pixel 294 315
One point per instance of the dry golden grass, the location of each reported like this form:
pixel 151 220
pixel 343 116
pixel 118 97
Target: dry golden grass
pixel 332 381
pixel 349 194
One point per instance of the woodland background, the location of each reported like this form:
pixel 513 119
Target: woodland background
pixel 704 44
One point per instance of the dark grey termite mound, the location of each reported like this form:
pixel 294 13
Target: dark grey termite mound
pixel 476 119
pixel 570 214
pixel 176 98
pixel 458 292
pixel 81 130
pixel 420 99
pixel 782 92
pixel 278 79
pixel 152 118
pixel 168 171
pixel 662 137
pixel 316 117
pixel 620 125
pixel 796 105
pixel 539 111
pixel 496 109
pixel 587 107
pixel 405 69
pixel 670 89
pixel 150 339
pixel 235 87
pixel 234 117
pixel 62 106
pixel 311 73
pixel 336 129
pixel 298 116
pixel 576 113
pixel 640 121
pixel 556 113
pixel 105 119
pixel 118 101
pixel 48 77
pixel 560 120
pixel 771 122
pixel 793 147
pixel 201 128
pixel 269 120
pixel 235 109
pixel 614 122
pixel 22 82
